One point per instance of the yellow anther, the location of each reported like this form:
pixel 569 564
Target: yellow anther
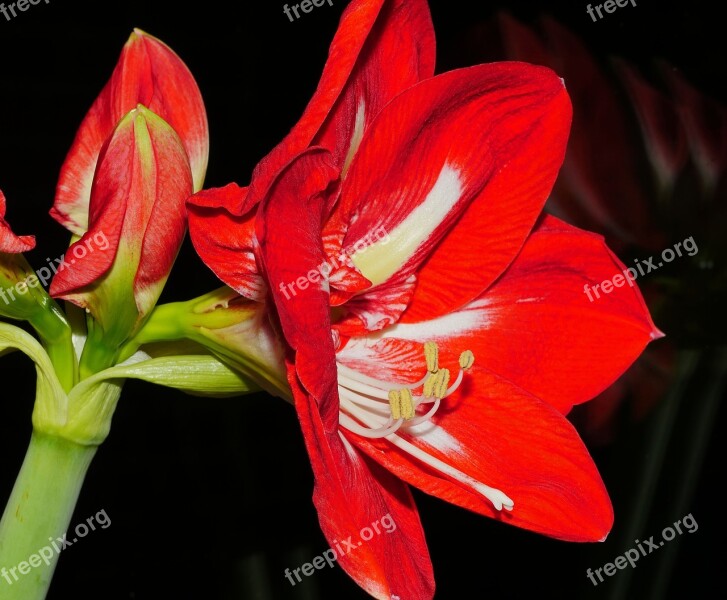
pixel 401 403
pixel 436 384
pixel 466 359
pixel 407 404
pixel 431 352
pixel 395 404
pixel 442 383
pixel 429 385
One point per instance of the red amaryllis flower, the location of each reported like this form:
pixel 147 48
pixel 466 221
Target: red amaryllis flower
pixel 400 250
pixel 149 73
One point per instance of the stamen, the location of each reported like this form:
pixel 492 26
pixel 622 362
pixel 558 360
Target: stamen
pixel 407 404
pixel 361 400
pixel 437 384
pixel 498 498
pixel 363 411
pixel 352 379
pixel 395 403
pixel 466 360
pixel 431 353
pixel 425 417
pixel 401 403
pixel 347 422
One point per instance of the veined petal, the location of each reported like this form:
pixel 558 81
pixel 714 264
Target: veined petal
pixel 289 232
pixel 351 493
pixel 459 165
pixel 536 326
pixel 9 242
pixel 226 242
pixel 499 435
pixel 399 52
pixel 137 206
pixel 150 73
pixel 377 308
pixel 381 47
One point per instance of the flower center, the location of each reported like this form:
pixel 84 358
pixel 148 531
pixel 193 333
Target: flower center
pixel 378 409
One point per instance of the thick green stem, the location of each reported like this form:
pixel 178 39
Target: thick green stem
pixel 38 513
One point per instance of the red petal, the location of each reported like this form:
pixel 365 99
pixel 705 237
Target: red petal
pixel 539 310
pixel 464 160
pixel 9 242
pixel 380 48
pixel 537 328
pixel 150 73
pixel 225 242
pixel 503 437
pixel 398 53
pixel 377 308
pixel 352 493
pixel 289 232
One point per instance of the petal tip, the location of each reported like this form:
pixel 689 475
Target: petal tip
pixel 657 334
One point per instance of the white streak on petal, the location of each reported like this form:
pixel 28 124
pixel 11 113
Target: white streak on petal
pixel 446 326
pixel 434 436
pixel 382 259
pixel 356 137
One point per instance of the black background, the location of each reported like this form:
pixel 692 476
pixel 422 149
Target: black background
pixel 211 498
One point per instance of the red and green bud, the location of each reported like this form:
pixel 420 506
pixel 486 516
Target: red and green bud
pixel 149 73
pixel 137 206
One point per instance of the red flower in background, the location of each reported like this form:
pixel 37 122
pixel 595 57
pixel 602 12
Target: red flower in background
pixel 455 169
pixel 645 174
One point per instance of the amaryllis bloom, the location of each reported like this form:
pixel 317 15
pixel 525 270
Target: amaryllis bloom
pixel 436 322
pixel 149 73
